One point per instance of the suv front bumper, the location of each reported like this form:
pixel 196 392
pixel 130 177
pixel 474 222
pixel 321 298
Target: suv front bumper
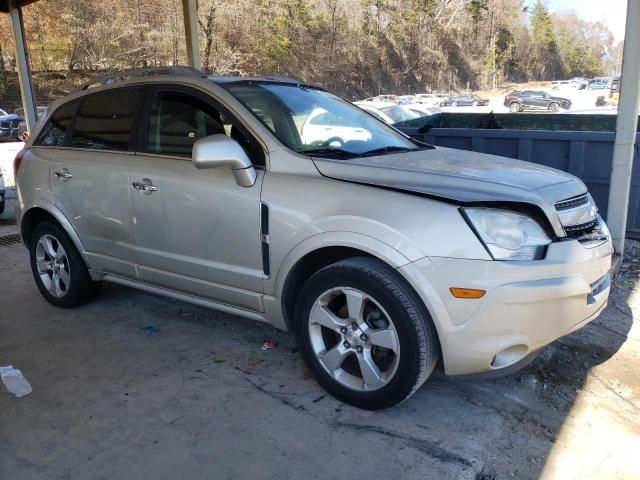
pixel 527 305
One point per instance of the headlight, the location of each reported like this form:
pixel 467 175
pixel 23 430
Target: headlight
pixel 508 235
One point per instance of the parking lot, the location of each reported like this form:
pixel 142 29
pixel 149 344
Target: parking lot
pixel 138 386
pixel 582 101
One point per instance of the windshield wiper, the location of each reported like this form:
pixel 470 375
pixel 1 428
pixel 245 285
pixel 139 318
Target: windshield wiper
pixel 389 149
pixel 329 152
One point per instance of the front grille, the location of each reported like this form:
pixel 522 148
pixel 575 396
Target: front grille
pixel 572 202
pixel 579 230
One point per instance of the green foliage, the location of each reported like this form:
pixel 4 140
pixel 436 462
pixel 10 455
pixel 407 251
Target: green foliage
pixel 544 59
pixel 353 47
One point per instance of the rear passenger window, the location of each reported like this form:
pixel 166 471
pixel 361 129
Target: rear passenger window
pixel 104 121
pixel 55 131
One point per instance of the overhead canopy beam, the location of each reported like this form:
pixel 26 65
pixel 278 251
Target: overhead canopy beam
pixel 626 128
pixel 23 65
pixel 190 14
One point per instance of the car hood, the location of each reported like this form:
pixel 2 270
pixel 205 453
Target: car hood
pixel 461 176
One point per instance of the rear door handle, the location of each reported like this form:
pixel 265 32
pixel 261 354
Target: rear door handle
pixel 63 174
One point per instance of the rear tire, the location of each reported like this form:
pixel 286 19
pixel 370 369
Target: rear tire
pixel 454 104
pixel 58 269
pixel 390 354
pixel 515 107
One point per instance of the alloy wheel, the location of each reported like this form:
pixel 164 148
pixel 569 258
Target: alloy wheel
pixel 53 265
pixel 354 339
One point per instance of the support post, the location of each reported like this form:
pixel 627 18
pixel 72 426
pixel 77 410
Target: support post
pixel 23 65
pixel 626 127
pixel 190 14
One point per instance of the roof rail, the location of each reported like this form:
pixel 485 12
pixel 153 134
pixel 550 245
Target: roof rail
pixel 114 77
pixel 266 78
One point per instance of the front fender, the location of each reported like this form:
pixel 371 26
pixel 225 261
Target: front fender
pixel 366 243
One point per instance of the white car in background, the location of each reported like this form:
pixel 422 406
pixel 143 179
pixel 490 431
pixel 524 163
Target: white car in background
pixel 431 99
pixel 392 114
pixel 328 127
pixel 424 110
pixel 407 99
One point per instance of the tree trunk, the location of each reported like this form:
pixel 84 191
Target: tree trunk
pixel 209 35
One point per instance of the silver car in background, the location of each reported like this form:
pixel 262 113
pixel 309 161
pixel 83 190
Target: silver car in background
pixel 380 253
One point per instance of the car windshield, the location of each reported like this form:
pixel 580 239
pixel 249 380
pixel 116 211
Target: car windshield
pixel 317 123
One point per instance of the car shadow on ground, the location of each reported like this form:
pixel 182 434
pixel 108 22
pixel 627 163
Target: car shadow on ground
pixel 483 429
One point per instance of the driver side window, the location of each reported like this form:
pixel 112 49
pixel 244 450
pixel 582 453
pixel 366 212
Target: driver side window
pixel 178 120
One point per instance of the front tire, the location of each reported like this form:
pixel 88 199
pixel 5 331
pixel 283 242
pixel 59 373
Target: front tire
pixel 554 107
pixel 58 269
pixel 365 334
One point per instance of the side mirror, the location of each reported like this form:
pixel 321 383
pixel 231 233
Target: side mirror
pixel 217 151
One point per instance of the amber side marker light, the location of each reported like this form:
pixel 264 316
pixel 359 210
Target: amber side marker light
pixel 467 292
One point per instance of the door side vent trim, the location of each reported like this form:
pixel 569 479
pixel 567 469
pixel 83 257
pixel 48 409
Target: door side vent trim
pixel 264 238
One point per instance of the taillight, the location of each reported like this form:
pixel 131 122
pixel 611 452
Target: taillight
pixel 17 161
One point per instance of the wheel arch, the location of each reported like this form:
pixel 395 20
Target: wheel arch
pixel 322 250
pixel 43 211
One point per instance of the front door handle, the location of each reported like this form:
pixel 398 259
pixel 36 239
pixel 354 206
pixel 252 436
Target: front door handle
pixel 63 174
pixel 145 186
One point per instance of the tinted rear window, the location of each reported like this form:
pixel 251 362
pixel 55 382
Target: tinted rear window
pixel 104 121
pixel 55 131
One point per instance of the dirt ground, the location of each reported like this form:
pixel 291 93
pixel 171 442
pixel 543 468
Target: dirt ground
pixel 138 386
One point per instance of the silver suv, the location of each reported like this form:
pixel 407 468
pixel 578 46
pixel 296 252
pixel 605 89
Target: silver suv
pixel 278 201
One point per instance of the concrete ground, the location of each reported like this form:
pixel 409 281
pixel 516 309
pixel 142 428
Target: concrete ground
pixel 197 398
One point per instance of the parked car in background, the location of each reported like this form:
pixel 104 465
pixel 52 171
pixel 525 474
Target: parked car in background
pixel 325 127
pixel 390 113
pixel 468 100
pixel 598 84
pixel 388 98
pixel 384 256
pixel 407 99
pixel 376 112
pixel 557 84
pixel 615 85
pixel 382 98
pixel 444 98
pixel 9 127
pixel 517 101
pixel 432 99
pixel 579 82
pixel 423 110
pixel 2 193
pixel 22 126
